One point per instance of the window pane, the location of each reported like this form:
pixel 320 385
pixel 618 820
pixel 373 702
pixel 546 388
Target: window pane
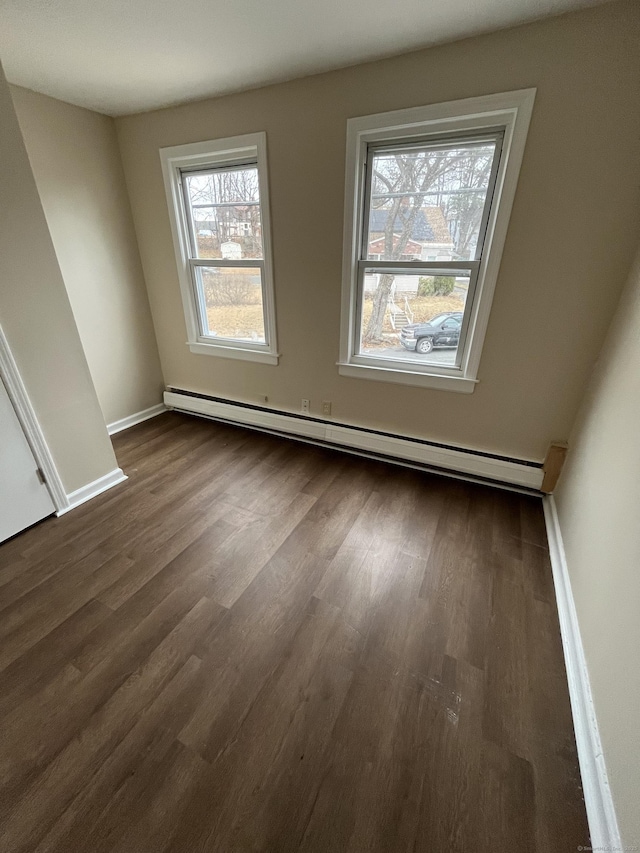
pixel 231 301
pixel 225 213
pixel 427 202
pixel 414 317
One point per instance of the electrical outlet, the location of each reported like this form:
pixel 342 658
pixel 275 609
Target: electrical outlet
pixel 326 408
pixel 305 406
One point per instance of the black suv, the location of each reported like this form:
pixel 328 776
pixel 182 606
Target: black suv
pixel 441 331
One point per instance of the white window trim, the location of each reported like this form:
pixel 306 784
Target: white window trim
pixel 219 152
pixel 510 111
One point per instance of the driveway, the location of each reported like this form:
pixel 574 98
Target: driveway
pixel 437 356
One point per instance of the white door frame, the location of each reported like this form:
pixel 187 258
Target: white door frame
pixel 29 423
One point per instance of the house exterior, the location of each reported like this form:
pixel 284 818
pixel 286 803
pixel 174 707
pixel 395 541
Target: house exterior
pixel 231 250
pixel 237 224
pixel 430 241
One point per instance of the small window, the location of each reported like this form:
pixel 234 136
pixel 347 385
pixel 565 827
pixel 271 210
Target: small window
pixel 429 192
pixel 218 205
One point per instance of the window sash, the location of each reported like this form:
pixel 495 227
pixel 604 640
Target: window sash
pixel 473 266
pixel 416 268
pixel 248 150
pixel 448 141
pixel 188 207
pixel 508 112
pixel 193 261
pixel 201 305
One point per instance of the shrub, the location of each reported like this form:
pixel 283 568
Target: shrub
pixel 231 289
pixel 436 285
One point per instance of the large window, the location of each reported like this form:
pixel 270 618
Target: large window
pixel 429 192
pixel 217 194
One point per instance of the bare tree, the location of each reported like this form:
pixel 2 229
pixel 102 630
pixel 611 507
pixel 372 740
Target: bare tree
pixel 229 199
pixel 464 207
pixel 400 184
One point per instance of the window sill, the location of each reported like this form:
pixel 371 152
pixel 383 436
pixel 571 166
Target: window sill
pixel 460 384
pixel 234 352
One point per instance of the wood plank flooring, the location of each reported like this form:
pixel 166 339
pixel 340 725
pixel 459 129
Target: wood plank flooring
pixel 256 645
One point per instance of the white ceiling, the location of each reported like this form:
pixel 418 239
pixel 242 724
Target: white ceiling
pixel 124 56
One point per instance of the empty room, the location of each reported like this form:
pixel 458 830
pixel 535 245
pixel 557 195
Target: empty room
pixel 319 426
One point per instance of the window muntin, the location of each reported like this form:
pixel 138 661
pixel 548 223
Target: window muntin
pixel 218 205
pixel 421 197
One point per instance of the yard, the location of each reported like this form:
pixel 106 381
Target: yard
pixel 237 321
pixel 245 321
pixel 424 308
pixel 234 299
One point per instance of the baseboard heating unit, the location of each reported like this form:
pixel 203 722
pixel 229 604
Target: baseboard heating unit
pixel 523 475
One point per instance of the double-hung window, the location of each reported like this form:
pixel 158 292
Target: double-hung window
pixel 428 196
pixel 218 205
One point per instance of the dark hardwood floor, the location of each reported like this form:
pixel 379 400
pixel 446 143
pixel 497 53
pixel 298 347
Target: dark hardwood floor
pixel 256 645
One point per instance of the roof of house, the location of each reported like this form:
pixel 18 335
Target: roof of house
pixel 430 226
pixel 377 245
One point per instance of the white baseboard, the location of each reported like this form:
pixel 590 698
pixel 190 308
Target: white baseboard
pixel 136 418
pixel 92 490
pixel 603 824
pixel 464 462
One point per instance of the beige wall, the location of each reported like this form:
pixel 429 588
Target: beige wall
pixel 598 502
pixel 37 320
pixel 76 162
pixel 569 244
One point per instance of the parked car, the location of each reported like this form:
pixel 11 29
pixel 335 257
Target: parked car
pixel 441 331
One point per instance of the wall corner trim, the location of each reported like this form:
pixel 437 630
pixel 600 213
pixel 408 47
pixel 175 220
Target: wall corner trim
pixel 18 395
pixel 603 824
pixel 136 418
pixel 92 490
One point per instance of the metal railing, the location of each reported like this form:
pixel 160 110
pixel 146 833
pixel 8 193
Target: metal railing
pixel 395 312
